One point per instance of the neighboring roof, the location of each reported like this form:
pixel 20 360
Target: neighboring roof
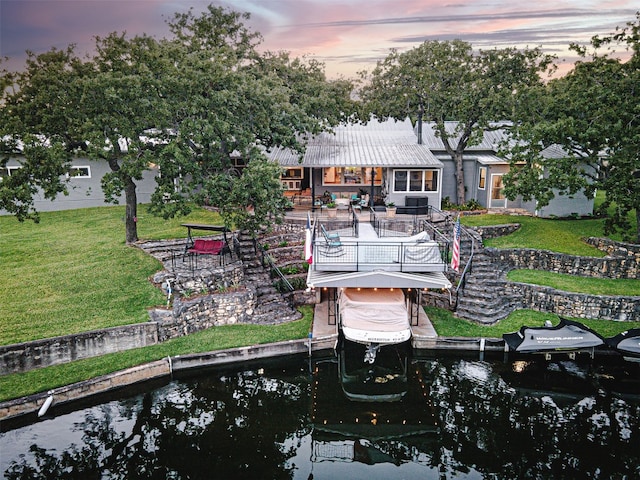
pixel 380 279
pixel 490 141
pixel 481 158
pixel 374 144
pixel 555 151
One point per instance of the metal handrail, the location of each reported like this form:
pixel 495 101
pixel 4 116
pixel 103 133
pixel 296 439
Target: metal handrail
pixel 273 267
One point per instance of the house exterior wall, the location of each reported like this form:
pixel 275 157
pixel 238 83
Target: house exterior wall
pixel 399 198
pixel 567 205
pixel 87 192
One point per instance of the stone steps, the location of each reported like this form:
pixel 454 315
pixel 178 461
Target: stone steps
pixel 482 300
pixel 271 306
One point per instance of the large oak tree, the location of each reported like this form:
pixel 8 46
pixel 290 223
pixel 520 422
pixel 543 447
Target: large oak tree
pixel 594 114
pixel 186 105
pixel 441 81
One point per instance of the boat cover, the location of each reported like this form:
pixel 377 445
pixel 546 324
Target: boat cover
pixel 567 335
pixel 626 342
pixel 376 315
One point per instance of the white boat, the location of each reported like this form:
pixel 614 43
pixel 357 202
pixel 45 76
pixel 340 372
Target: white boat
pixel 374 315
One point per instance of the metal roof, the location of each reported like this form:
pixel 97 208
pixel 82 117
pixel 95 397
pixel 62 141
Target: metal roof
pixel 374 144
pixel 491 139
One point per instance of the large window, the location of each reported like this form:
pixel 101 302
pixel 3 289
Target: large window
pixel 350 176
pixel 415 181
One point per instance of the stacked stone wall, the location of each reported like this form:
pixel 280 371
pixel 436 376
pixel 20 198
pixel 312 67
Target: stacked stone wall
pixel 609 267
pixel 204 311
pixel 575 305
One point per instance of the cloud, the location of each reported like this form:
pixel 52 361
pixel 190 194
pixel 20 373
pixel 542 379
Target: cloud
pixel 344 34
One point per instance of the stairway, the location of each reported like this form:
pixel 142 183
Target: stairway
pixel 483 299
pixel 272 307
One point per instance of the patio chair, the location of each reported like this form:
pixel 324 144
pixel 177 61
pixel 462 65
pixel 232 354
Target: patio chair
pixel 363 202
pixel 332 244
pixel 329 236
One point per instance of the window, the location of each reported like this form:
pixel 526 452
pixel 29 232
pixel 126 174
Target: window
pixel 79 172
pixel 415 181
pixel 350 176
pixel 482 178
pixel 7 171
pixel 292 173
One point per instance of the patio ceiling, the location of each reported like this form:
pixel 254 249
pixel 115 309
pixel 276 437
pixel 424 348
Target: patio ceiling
pixel 380 279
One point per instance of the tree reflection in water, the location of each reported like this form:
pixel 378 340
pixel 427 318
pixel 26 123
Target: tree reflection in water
pixel 523 418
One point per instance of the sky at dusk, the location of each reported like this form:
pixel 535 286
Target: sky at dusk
pixel 346 35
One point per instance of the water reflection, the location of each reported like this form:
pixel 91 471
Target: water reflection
pixel 459 418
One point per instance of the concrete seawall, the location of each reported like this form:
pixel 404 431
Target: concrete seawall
pixel 166 367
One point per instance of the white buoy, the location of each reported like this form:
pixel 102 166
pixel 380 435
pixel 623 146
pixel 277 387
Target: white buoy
pixel 45 406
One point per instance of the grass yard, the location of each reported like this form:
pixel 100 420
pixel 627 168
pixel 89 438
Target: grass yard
pixel 449 326
pixel 562 236
pixel 73 272
pixel 572 283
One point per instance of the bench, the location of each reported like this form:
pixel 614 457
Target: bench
pixel 208 247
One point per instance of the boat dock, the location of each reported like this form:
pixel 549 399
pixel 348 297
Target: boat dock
pixel 325 336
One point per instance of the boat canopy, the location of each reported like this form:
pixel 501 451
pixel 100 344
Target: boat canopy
pixel 380 279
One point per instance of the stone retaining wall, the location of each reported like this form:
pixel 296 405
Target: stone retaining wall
pixel 610 267
pixel 21 357
pixel 202 312
pixel 495 231
pixel 576 305
pixel 615 249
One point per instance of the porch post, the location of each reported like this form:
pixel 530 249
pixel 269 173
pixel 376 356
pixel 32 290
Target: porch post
pixel 313 190
pixel 373 176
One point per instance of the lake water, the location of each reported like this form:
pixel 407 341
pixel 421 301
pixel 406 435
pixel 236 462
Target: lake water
pixel 446 416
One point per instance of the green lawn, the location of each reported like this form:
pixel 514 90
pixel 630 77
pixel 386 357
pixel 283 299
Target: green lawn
pixel 563 236
pixel 573 283
pixel 449 326
pixel 72 272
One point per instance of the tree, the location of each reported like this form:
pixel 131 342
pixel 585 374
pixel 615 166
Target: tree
pixel 593 113
pixel 34 123
pixel 441 81
pixel 185 106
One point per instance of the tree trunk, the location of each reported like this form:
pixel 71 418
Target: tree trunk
pixel 131 216
pixel 460 193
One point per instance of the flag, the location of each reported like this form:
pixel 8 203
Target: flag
pixel 308 242
pixel 455 257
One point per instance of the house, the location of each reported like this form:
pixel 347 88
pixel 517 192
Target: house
pixel 483 172
pixel 84 186
pixel 386 160
pixel 381 158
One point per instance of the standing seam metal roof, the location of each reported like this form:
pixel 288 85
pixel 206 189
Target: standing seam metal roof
pixel 375 144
